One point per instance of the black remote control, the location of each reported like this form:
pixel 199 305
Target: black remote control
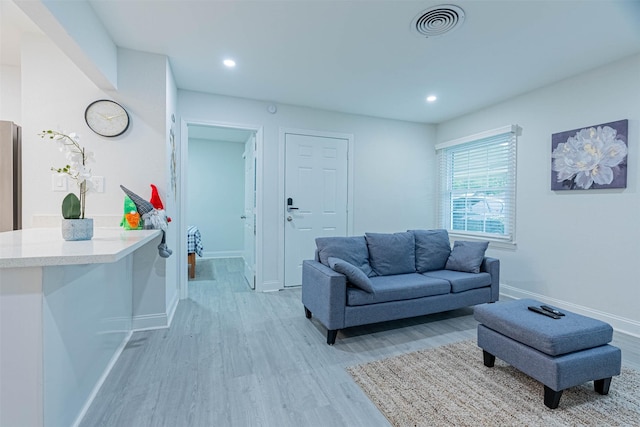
pixel 541 311
pixel 551 310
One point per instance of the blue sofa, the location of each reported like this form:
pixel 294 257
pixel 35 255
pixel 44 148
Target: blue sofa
pixel 359 280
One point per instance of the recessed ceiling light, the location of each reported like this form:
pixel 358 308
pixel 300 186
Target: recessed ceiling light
pixel 229 63
pixel 431 98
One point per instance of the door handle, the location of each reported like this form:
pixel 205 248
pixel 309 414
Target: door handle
pixel 289 218
pixel 243 217
pixel 290 205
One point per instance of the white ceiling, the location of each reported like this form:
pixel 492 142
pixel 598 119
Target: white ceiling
pixel 360 56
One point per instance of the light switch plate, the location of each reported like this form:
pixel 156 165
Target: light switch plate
pixel 98 183
pixel 59 183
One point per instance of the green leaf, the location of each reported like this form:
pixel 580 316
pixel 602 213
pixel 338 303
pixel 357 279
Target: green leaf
pixel 71 207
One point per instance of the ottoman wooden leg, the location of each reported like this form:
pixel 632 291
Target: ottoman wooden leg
pixel 602 386
pixel 489 359
pixel 551 397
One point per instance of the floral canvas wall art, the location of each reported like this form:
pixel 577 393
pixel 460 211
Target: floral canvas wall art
pixel 590 158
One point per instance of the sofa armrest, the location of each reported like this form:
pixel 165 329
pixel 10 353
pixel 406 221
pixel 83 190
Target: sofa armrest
pixel 492 266
pixel 324 293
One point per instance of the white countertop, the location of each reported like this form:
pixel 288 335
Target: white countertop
pixel 36 247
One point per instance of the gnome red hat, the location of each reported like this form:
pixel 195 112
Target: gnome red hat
pixel 155 198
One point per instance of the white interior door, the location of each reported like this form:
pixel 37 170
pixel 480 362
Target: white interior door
pixel 316 171
pixel 249 214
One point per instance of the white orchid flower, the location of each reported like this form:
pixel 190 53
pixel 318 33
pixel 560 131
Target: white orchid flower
pixel 77 158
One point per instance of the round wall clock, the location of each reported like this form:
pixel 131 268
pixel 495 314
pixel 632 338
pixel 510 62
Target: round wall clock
pixel 106 118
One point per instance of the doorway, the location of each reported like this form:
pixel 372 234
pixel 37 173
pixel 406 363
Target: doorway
pixel 220 197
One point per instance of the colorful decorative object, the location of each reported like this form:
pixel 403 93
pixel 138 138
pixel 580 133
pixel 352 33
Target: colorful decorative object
pixel 590 158
pixel 131 219
pixel 152 218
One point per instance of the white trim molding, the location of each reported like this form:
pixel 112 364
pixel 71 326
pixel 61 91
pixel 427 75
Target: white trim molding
pixel 477 136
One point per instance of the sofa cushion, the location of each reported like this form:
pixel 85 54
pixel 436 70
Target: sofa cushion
pixel 398 287
pixel 461 281
pixel 350 249
pixel 391 253
pixel 466 256
pixel 355 276
pixel 432 249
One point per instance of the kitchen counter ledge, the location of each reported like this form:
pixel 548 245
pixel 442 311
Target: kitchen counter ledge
pixel 38 247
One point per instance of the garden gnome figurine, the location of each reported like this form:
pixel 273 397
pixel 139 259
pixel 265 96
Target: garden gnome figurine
pixel 153 219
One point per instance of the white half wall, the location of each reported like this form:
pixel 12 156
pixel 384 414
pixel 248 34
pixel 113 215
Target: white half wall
pixel 577 249
pixel 394 166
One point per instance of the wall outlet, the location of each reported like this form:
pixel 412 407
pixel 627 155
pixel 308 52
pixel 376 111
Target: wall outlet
pixel 59 183
pixel 98 183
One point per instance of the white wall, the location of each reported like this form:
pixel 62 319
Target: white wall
pixel 574 248
pixel 394 166
pixel 10 105
pixel 216 195
pixel 170 194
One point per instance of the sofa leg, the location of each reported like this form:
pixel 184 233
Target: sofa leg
pixel 551 398
pixel 307 313
pixel 331 336
pixel 602 386
pixel 489 359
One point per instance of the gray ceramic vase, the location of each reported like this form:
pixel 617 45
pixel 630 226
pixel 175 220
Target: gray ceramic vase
pixel 77 229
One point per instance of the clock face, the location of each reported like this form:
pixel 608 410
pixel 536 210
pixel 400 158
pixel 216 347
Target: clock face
pixel 106 118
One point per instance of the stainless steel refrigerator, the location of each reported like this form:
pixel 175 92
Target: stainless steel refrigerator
pixel 10 176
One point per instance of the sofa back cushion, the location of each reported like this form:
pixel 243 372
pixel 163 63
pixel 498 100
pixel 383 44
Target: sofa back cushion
pixel 466 256
pixel 391 253
pixel 432 249
pixel 350 249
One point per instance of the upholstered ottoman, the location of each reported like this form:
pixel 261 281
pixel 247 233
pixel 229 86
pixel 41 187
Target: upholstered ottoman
pixel 560 353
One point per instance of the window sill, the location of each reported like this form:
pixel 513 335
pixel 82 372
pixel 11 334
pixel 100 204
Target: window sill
pixel 493 242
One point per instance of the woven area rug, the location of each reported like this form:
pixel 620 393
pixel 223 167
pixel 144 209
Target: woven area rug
pixel 450 385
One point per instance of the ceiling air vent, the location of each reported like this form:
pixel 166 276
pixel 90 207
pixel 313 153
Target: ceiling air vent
pixel 437 20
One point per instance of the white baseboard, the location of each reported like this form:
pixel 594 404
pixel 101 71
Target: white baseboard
pixel 270 286
pixel 148 322
pixel 222 254
pixel 102 379
pixel 173 305
pixel 620 324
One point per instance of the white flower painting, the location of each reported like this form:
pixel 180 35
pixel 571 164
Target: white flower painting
pixel 590 158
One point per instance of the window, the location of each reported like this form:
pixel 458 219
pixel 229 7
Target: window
pixel 477 190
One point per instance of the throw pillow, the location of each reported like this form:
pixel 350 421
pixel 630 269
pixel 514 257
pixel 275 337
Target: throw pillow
pixel 432 249
pixel 350 249
pixel 355 276
pixel 392 253
pixel 466 256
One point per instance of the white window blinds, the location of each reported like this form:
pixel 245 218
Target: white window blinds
pixel 477 188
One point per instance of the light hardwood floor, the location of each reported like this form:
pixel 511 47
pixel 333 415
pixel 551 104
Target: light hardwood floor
pixel 234 357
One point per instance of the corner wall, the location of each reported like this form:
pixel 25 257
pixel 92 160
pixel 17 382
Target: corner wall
pixel 55 94
pixel 575 249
